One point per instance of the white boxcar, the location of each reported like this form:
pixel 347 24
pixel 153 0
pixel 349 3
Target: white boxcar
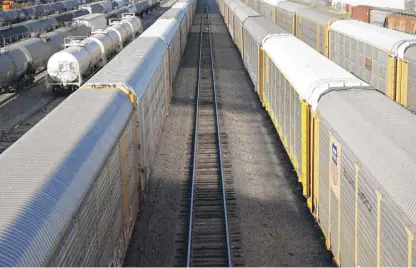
pixel 142 69
pixel 183 18
pixel 286 97
pixel 65 183
pixel 241 14
pixel 366 166
pixel 382 57
pixel 94 21
pixel 256 29
pixel 169 32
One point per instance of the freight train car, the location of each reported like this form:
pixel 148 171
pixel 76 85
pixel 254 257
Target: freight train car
pixel 349 145
pixel 78 204
pixel 384 58
pixel 70 68
pixel 20 62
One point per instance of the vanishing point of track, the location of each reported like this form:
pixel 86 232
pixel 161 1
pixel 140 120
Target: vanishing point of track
pixel 208 241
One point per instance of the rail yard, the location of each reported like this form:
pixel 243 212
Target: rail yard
pixel 205 133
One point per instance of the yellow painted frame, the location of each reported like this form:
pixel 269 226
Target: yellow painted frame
pixel 391 77
pixel 402 81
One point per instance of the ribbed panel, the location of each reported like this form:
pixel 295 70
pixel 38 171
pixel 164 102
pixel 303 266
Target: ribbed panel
pixel 411 86
pixel 251 57
pixel 175 50
pixel 393 237
pixel 91 254
pixel 367 222
pixel 286 112
pixel 367 62
pixel 68 253
pixel 347 209
pixel 323 205
pixel 298 131
pixel 280 99
pixel 184 36
pixel 285 19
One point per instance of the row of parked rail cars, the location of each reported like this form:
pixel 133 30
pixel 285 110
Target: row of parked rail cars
pixel 384 58
pixel 400 20
pixel 34 12
pixel 21 61
pixel 23 30
pixel 79 209
pixel 351 146
pixel 69 68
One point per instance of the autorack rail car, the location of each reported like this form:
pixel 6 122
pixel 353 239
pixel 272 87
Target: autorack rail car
pixel 382 57
pixel 111 126
pixel 345 140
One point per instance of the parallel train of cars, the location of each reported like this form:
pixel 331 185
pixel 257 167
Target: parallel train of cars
pixel 351 146
pixel 69 68
pixel 384 58
pixel 78 203
pixel 17 63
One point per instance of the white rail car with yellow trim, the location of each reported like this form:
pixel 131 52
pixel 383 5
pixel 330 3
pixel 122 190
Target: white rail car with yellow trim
pixel 349 144
pixel 72 186
pixel 384 58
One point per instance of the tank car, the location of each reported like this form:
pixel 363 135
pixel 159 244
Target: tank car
pixel 13 33
pixel 68 69
pixel 21 61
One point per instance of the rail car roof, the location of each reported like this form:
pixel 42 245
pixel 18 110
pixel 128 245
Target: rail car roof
pixel 179 5
pixel 243 13
pixel 318 15
pixel 260 27
pixel 289 6
pixel 318 74
pixel 43 180
pixel 272 2
pixel 134 66
pixel 385 39
pixel 236 3
pixel 175 13
pixel 164 29
pixel 389 158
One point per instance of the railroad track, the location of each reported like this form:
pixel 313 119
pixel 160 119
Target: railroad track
pixel 8 96
pixel 208 207
pixel 7 138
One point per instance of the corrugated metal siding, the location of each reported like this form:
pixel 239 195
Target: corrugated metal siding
pixel 386 165
pixel 367 62
pixel 285 19
pixel 347 209
pixel 142 56
pixel 410 56
pixel 323 205
pixel 250 58
pixel 92 122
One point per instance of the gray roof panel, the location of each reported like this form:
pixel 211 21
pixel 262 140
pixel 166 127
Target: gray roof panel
pixel 243 13
pixel 260 27
pixel 290 6
pixel 381 134
pixel 134 66
pixel 45 175
pixel 318 15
